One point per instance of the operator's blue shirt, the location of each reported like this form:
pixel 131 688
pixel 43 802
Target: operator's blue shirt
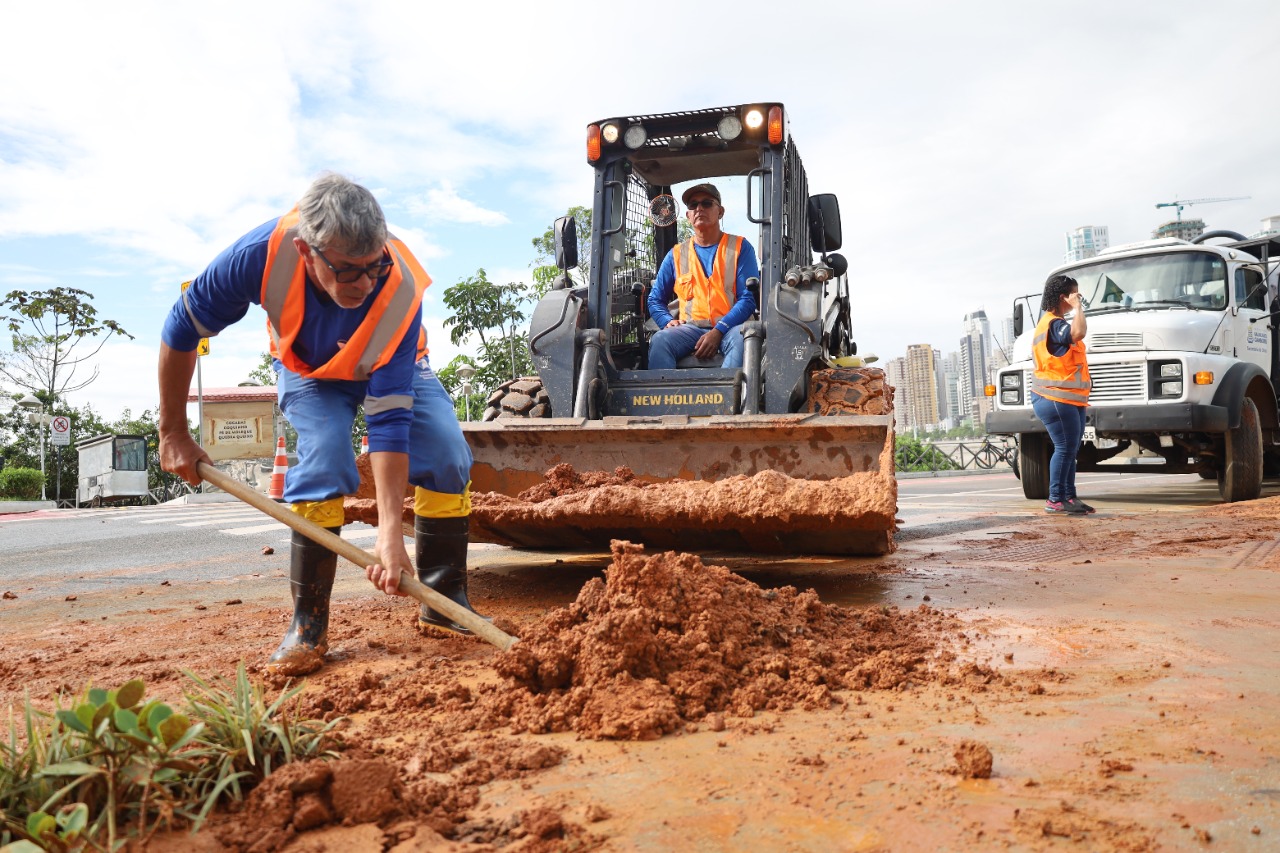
pixel 221 295
pixel 664 286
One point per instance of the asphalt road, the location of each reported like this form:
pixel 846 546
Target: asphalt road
pixel 66 552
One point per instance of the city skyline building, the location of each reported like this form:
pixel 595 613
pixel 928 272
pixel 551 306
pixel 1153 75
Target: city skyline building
pixel 1086 242
pixel 922 386
pixel 895 373
pixel 1185 229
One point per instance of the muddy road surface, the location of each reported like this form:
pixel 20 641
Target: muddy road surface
pixel 1004 680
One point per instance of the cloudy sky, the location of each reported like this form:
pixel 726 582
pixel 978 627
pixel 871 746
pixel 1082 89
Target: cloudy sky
pixel 137 140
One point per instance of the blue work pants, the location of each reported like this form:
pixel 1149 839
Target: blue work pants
pixel 670 345
pixel 1065 424
pixel 323 412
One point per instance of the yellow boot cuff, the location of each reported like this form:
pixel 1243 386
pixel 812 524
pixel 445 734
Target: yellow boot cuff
pixel 326 513
pixel 429 504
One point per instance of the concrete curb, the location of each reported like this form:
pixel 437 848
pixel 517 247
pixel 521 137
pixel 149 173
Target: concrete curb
pixel 7 507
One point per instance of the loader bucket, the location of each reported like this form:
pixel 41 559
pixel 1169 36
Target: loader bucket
pixel 795 483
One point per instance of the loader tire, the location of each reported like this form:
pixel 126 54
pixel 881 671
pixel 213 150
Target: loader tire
pixel 1240 474
pixel 518 398
pixel 849 391
pixel 1034 450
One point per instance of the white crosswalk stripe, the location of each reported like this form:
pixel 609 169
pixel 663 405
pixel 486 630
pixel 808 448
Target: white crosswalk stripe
pixel 232 519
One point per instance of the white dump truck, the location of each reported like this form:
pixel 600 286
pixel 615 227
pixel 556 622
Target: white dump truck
pixel 1182 353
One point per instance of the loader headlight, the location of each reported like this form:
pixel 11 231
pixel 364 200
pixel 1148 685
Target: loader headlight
pixel 754 118
pixel 635 136
pixel 729 128
pixel 610 133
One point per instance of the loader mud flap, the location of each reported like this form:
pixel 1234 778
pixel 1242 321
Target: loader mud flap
pixel 803 483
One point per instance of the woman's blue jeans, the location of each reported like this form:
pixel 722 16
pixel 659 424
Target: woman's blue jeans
pixel 1065 424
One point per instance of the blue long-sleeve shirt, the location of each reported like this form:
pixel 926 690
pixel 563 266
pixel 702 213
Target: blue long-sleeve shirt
pixel 221 295
pixel 664 286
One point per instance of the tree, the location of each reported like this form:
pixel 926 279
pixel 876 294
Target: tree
pixel 494 314
pixel 47 326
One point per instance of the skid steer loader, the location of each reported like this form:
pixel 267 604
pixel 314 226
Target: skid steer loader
pixel 764 458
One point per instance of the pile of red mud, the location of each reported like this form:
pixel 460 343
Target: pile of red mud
pixel 666 640
pixel 662 643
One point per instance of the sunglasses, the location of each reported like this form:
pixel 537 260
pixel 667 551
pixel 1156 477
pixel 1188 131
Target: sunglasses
pixel 704 203
pixel 347 275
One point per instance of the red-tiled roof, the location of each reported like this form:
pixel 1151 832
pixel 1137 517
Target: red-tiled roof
pixel 239 394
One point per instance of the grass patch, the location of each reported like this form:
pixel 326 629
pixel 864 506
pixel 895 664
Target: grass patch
pixel 112 766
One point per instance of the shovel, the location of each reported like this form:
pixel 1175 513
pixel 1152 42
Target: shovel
pixel 408 583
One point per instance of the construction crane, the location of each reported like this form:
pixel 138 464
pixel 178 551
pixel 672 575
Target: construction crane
pixel 1184 202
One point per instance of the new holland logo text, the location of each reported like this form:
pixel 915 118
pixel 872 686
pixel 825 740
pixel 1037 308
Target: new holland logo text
pixel 676 399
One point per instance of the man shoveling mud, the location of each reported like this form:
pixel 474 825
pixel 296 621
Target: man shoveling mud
pixel 344 307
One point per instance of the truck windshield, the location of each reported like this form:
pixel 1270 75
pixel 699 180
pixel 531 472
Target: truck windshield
pixel 1192 279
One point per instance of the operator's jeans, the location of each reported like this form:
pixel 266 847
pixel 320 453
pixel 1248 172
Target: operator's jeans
pixel 1065 424
pixel 670 345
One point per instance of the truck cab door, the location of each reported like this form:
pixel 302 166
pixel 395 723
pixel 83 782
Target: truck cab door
pixel 1254 336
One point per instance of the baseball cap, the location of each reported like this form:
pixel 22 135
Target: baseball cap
pixel 708 189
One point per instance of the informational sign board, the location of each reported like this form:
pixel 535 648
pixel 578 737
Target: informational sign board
pixel 60 429
pixel 239 430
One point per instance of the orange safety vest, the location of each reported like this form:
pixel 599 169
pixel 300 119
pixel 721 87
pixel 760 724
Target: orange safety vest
pixel 379 333
pixel 1062 378
pixel 699 299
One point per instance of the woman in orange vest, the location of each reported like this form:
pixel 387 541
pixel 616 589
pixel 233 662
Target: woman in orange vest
pixel 1060 389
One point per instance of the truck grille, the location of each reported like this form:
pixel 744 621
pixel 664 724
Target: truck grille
pixel 1116 340
pixel 1118 383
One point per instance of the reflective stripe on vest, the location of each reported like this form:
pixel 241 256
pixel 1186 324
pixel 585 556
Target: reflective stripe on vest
pixel 1062 378
pixel 388 317
pixel 699 299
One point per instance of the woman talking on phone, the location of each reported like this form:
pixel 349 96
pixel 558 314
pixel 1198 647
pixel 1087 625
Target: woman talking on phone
pixel 1060 389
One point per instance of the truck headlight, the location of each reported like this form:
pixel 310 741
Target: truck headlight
pixel 1171 389
pixel 1010 397
pixel 1170 369
pixel 1010 380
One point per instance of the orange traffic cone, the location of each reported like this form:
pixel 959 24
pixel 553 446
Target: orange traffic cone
pixel 276 492
pixel 364 444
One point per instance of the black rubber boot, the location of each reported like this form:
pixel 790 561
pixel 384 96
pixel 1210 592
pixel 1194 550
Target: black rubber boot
pixel 311 571
pixel 440 556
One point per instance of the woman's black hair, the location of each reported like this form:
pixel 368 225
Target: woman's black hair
pixel 1054 289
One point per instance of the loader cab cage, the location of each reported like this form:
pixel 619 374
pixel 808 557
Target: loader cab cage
pixel 627 248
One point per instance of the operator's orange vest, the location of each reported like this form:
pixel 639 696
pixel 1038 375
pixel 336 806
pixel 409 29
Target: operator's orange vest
pixel 284 285
pixel 703 298
pixel 1063 378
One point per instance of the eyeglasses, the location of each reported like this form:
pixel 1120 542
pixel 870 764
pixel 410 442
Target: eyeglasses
pixel 703 203
pixel 347 275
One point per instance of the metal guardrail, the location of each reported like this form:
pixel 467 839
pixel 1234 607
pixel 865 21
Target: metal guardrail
pixel 987 454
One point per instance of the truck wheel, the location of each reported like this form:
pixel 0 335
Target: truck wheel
pixel 518 398
pixel 1240 477
pixel 1034 450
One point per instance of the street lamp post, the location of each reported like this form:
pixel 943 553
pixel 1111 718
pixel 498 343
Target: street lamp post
pixel 35 414
pixel 511 339
pixel 466 371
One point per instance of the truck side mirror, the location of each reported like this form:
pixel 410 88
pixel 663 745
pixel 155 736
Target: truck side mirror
pixel 1017 319
pixel 824 223
pixel 566 237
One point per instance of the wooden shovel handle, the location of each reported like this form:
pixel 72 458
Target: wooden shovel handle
pixel 410 584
